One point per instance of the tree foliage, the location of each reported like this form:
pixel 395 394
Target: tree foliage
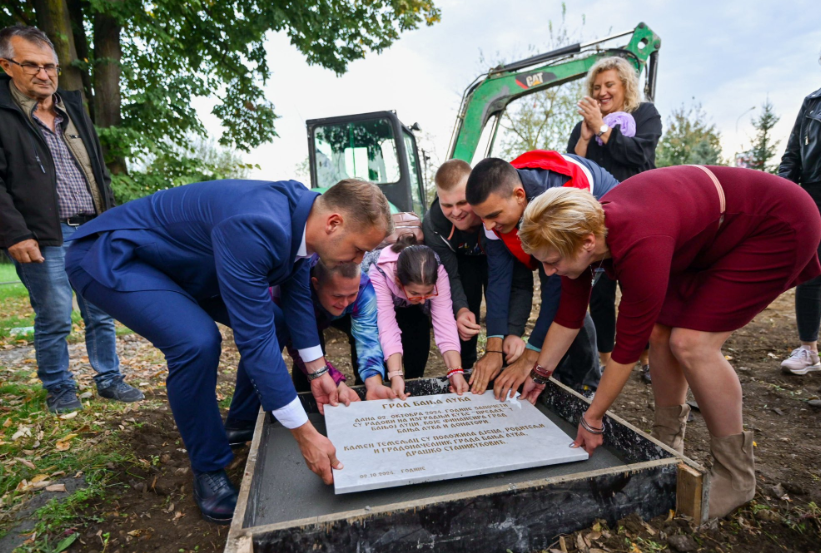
pixel 689 139
pixel 764 147
pixel 197 160
pixel 141 63
pixel 543 120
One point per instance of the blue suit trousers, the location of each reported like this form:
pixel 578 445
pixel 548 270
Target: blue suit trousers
pixel 185 330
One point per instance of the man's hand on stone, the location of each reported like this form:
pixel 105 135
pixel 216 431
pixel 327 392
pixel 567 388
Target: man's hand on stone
pixel 27 251
pixel 318 451
pixel 466 324
pixel 484 371
pixel 325 391
pixel 513 346
pixel 374 389
pixel 515 375
pixel 346 395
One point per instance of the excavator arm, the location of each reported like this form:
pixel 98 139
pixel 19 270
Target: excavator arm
pixel 486 99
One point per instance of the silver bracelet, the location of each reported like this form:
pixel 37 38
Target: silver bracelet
pixel 319 373
pixel 590 428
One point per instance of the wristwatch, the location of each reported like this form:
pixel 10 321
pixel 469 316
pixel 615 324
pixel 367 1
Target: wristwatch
pixel 314 375
pixel 603 129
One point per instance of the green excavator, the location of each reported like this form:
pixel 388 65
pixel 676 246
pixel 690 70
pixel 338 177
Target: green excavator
pixel 377 147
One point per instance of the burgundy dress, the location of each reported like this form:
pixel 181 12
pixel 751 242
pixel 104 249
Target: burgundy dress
pixel 682 264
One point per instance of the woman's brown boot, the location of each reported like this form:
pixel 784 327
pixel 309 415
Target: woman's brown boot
pixel 670 424
pixel 732 478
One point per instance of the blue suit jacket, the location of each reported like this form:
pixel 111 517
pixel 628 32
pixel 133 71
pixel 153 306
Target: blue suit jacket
pixel 233 239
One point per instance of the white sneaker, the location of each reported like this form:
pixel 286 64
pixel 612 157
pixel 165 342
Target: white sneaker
pixel 801 361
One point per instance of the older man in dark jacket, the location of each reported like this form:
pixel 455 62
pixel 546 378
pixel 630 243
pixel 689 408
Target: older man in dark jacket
pixel 52 180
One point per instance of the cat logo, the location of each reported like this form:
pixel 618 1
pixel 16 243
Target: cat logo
pixel 533 80
pixel 536 78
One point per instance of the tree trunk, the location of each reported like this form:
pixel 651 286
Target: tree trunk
pixel 107 99
pixel 75 10
pixel 53 19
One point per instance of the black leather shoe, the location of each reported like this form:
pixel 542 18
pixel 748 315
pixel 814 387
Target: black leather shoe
pixel 239 432
pixel 215 496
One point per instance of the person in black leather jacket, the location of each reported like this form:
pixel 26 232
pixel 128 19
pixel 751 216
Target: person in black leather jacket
pixel 801 164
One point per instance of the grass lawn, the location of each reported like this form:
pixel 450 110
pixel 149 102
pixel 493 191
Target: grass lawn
pixel 16 312
pixel 7 273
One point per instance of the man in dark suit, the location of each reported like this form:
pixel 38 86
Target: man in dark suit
pixel 171 264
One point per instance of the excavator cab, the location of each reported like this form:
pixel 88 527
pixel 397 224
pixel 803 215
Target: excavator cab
pixel 375 147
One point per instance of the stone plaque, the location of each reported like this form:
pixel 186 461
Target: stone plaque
pixel 389 443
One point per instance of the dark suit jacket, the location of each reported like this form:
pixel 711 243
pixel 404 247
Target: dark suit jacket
pixel 231 239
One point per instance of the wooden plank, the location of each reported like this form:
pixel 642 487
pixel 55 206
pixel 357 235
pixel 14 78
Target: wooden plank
pixel 241 544
pixel 631 441
pixel 238 540
pixel 422 504
pixel 512 518
pixel 689 493
pixel 245 490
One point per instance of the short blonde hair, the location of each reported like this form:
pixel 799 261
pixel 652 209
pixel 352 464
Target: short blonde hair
pixel 627 74
pixel 451 173
pixel 362 201
pixel 560 219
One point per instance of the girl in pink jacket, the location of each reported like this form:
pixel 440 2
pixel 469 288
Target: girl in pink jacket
pixel 412 290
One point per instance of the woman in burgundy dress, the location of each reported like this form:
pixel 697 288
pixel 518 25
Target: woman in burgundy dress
pixel 698 253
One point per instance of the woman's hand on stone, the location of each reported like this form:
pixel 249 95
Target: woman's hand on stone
pixel 587 440
pixel 458 384
pixel 531 391
pixel 398 387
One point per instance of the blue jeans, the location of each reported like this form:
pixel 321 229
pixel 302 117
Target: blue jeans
pixel 50 296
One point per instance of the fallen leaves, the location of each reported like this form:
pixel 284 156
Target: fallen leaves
pixel 22 432
pixel 64 444
pixel 28 486
pixel 26 462
pixel 68 416
pixel 56 488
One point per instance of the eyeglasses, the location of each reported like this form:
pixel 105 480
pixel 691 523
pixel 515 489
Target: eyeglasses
pixel 420 298
pixel 34 69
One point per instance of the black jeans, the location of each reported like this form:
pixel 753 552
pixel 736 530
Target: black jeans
pixel 808 295
pixel 473 275
pixel 415 326
pixel 580 365
pixel 603 312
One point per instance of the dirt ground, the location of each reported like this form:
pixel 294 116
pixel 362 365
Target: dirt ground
pixel 149 505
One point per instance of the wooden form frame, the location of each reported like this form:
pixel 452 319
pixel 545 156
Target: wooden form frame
pixel 522 517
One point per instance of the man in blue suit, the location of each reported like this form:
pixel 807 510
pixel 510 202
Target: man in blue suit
pixel 171 264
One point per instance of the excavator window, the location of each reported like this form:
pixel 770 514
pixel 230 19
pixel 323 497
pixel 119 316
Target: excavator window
pixel 362 149
pixel 413 163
